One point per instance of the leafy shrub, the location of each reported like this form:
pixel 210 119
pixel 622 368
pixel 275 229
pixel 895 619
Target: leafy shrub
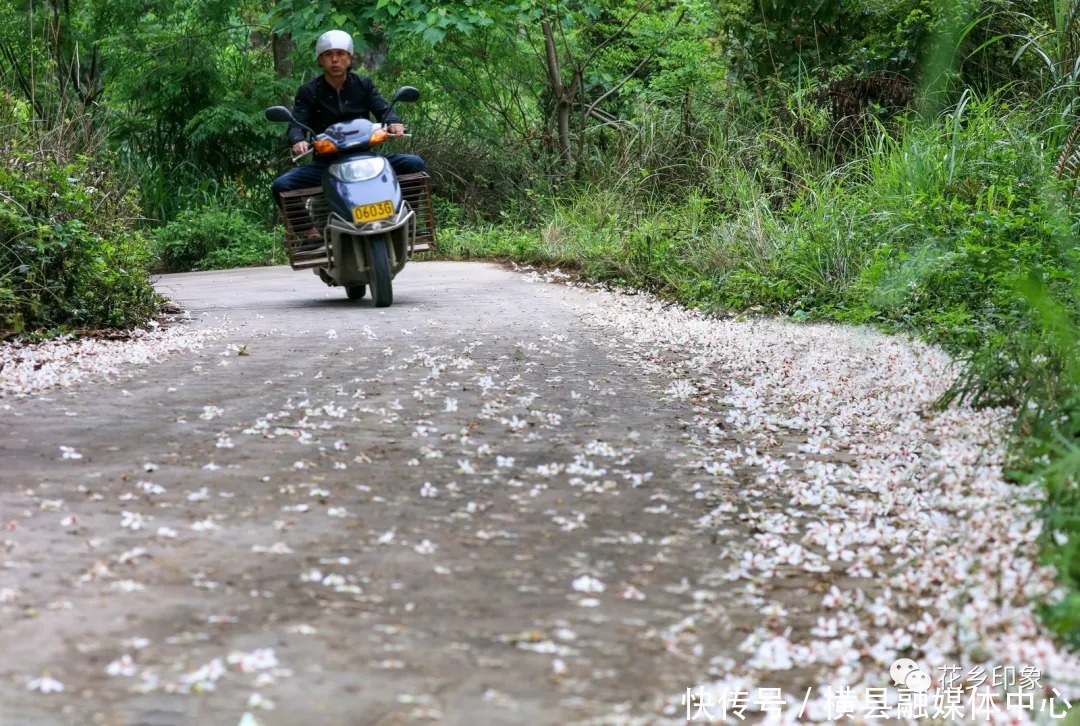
pixel 214 239
pixel 69 253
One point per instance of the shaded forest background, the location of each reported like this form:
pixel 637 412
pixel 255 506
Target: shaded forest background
pixel 910 164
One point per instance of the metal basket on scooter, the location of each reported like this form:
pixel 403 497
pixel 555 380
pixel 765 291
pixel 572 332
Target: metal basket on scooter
pixel 416 190
pixel 306 213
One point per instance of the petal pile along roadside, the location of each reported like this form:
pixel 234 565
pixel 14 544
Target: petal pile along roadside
pixel 27 368
pixel 896 514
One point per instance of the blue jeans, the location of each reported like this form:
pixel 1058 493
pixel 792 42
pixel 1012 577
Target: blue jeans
pixel 310 175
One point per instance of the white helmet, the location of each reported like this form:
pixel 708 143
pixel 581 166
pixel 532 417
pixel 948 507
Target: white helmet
pixel 333 40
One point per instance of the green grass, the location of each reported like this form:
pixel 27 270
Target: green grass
pixel 489 242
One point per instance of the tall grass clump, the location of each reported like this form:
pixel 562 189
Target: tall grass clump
pixel 1043 360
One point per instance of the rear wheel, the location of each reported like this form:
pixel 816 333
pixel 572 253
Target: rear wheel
pixel 356 292
pixel 379 272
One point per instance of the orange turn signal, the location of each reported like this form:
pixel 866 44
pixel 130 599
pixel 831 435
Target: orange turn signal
pixel 325 146
pixel 378 137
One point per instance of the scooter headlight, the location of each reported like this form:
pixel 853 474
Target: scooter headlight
pixel 357 170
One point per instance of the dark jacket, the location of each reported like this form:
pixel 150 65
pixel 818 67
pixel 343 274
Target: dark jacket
pixel 318 104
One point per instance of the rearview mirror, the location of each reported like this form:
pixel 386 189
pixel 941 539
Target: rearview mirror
pixel 408 94
pixel 279 114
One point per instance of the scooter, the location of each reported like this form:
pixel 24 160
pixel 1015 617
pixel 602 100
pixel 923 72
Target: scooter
pixel 361 230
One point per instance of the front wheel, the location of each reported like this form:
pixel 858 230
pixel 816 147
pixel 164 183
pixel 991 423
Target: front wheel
pixel 379 272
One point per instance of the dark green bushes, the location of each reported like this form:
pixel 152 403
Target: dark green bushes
pixel 213 239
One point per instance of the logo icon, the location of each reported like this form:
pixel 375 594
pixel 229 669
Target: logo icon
pixel 906 674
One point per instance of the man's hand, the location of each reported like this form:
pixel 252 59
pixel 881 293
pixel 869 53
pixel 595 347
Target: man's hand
pixel 396 131
pixel 300 148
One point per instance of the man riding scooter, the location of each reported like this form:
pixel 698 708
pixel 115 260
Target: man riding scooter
pixel 337 95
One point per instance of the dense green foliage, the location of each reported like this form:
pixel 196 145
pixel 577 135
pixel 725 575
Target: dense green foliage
pixel 70 255
pixel 904 163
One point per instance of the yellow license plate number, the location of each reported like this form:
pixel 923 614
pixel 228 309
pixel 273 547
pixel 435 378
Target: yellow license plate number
pixel 372 212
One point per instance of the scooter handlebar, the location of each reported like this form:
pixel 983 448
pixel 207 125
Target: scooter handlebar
pixel 311 149
pixel 379 126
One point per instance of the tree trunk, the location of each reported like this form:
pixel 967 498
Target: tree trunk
pixel 558 90
pixel 282 47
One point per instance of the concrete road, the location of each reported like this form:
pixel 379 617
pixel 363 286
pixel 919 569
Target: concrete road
pixel 461 509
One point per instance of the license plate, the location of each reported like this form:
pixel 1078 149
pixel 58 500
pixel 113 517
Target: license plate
pixel 372 212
